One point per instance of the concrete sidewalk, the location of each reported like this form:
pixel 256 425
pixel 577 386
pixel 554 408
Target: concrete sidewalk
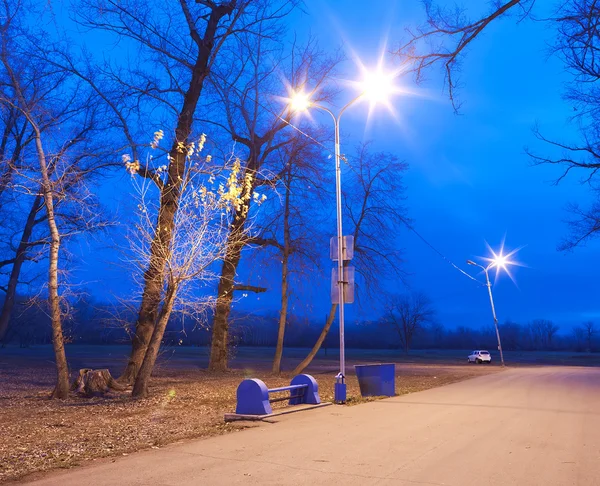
pixel 527 426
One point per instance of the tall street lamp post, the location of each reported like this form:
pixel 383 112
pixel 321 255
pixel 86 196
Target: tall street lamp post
pixel 377 88
pixel 500 262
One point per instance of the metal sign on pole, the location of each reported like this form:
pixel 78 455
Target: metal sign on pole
pixel 347 248
pixel 348 283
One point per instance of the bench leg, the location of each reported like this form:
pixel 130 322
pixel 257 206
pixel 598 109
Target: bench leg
pixel 311 392
pixel 253 398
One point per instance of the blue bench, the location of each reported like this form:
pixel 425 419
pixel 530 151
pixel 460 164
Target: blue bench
pixel 253 395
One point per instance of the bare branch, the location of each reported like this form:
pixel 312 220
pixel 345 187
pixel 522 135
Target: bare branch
pixel 446 35
pixel 249 288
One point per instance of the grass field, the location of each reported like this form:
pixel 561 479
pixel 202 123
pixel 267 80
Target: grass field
pixel 115 356
pixel 186 401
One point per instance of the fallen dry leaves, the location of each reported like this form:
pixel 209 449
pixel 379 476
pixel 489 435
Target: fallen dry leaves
pixel 38 434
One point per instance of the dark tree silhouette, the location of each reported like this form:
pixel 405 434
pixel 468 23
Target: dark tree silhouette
pixel 178 48
pixel 61 117
pixel 258 121
pixel 408 315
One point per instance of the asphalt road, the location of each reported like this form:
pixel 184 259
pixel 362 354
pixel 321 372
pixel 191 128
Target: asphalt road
pixel 526 426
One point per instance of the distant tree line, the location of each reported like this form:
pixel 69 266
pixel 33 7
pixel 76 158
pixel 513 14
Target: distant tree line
pixel 101 324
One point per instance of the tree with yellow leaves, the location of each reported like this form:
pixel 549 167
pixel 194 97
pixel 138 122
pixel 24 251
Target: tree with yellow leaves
pixel 210 196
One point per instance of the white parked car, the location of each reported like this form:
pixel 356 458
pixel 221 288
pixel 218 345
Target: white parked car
pixel 480 356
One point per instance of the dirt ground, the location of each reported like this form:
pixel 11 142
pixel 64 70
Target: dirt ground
pixel 39 434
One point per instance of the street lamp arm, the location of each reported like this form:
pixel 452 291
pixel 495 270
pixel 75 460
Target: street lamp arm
pixel 471 262
pixel 348 105
pixel 327 110
pixel 336 119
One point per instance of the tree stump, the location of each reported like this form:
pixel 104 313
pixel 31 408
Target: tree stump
pixel 93 383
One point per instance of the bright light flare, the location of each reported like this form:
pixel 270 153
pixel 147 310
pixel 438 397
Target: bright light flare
pixel 378 86
pixel 503 261
pixel 300 101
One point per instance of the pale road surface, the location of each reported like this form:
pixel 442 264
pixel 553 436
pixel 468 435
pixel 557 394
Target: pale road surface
pixel 524 426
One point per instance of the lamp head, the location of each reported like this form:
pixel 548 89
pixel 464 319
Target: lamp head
pixel 300 101
pixel 378 86
pixel 501 261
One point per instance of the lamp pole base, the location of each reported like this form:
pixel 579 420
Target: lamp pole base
pixel 339 391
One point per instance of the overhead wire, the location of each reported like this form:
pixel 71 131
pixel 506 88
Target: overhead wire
pixel 410 227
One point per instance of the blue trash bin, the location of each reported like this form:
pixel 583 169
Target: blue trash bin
pixel 376 380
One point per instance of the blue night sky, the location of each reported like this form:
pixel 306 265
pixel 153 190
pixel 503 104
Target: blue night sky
pixel 469 181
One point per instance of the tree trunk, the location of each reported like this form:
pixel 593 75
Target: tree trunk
pixel 220 333
pixel 140 388
pixel 11 288
pixel 282 316
pixel 169 202
pixel 233 253
pixel 284 277
pixel 313 352
pixel 62 370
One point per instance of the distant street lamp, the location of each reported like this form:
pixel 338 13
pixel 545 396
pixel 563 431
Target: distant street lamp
pixel 499 261
pixel 376 87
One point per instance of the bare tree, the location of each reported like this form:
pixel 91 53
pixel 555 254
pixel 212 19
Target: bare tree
pixel 374 202
pixel 256 121
pixel 62 120
pixel 285 259
pixel 62 384
pixel 511 335
pixel 542 332
pixel 178 48
pixel 17 135
pixel 67 118
pixel 293 225
pixel 590 331
pixel 374 198
pixel 200 229
pixel 438 332
pixel 73 166
pixel 579 334
pixel 585 333
pixel 21 103
pixel 550 330
pixel 584 224
pixel 578 44
pixel 407 315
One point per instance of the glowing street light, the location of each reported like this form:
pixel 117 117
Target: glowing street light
pixel 300 102
pixel 500 261
pixel 376 87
